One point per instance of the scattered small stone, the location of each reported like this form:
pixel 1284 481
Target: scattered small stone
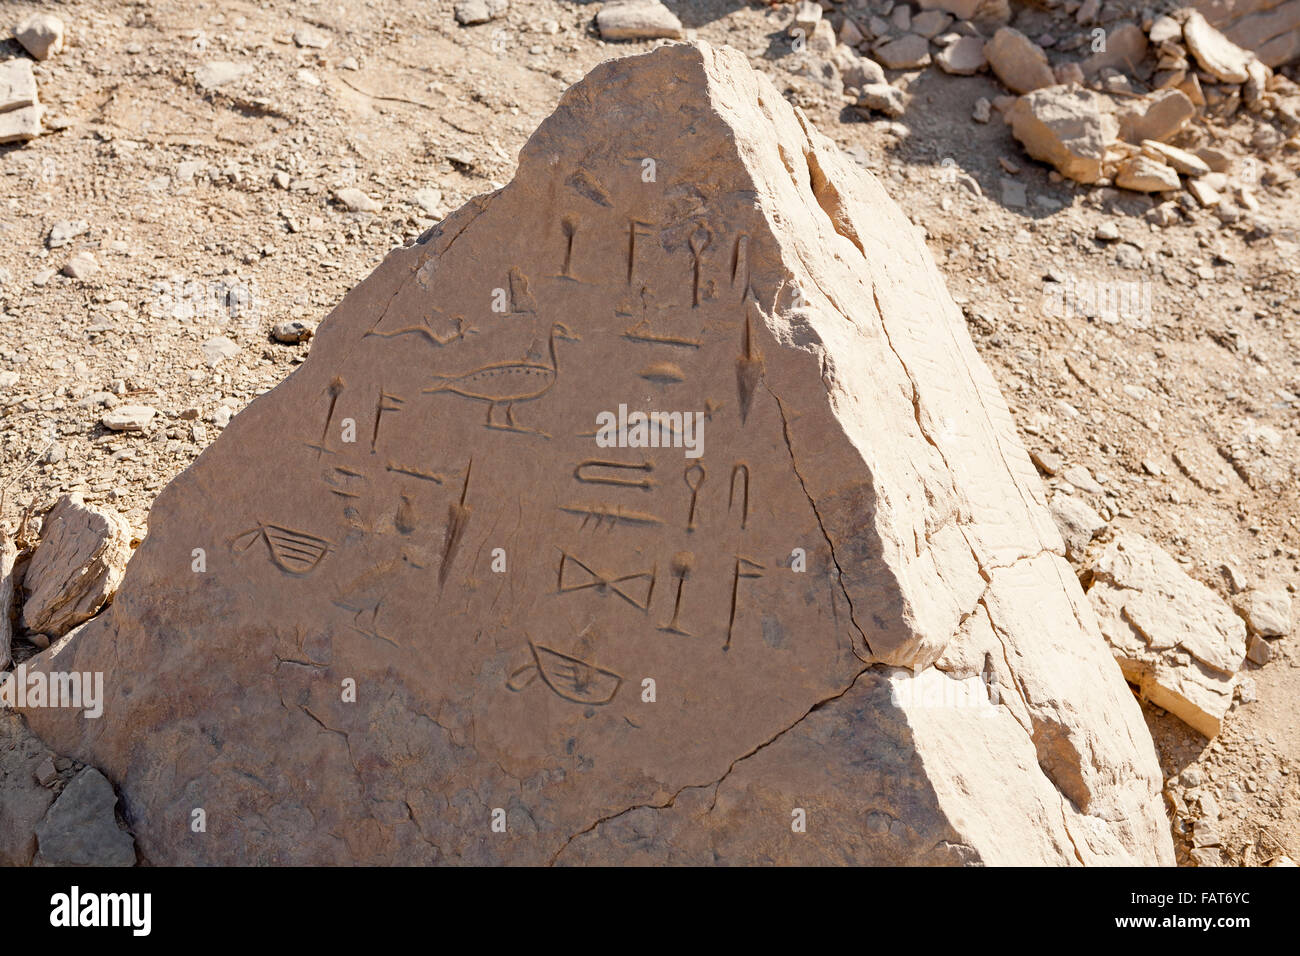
pixel 212 76
pixel 292 332
pixel 46 773
pixel 857 70
pixel 65 230
pixel 1203 192
pixel 638 20
pixel 1107 231
pixel 1048 462
pixel 1216 54
pixel 1192 777
pixel 308 36
pixel 1077 523
pixel 1174 638
pixel 1247 692
pixel 1258 650
pixel 1081 478
pixel 908 52
pixel 1189 164
pixel 81 266
pixel 356 201
pixel 965 57
pixel 1018 61
pixel 217 349
pixel 1069 127
pixel 128 418
pixel 929 23
pixel 882 97
pixel 41 35
pixel 1157 116
pixel 1267 613
pixel 1146 175
pixel 983 111
pixel 430 200
pixel 473 12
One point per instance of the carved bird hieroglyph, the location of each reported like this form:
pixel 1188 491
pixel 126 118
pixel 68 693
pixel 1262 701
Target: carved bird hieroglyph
pixel 504 383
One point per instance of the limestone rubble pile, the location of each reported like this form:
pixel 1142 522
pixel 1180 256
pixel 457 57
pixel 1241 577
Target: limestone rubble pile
pixel 617 498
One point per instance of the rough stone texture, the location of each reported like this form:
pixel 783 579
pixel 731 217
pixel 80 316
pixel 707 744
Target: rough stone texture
pixel 1175 639
pixel 1156 117
pixel 857 70
pixel 764 280
pixel 17 84
pixel 883 98
pixel 8 557
pixel 1216 54
pixel 908 52
pixel 1126 47
pixel 1067 126
pixel 473 12
pixel 1269 28
pixel 1078 524
pixel 23 801
pixel 1146 175
pixel 76 567
pixel 1189 164
pixel 1268 613
pixel 984 11
pixel 41 35
pixel 20 110
pixel 81 828
pixel 1018 61
pixel 637 20
pixel 964 58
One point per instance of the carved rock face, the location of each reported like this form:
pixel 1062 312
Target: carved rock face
pixel 600 630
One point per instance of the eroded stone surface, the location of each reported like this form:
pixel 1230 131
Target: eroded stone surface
pixel 1177 640
pixel 77 566
pixel 422 508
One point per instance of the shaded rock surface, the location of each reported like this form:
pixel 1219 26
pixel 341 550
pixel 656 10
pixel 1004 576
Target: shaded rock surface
pixel 81 827
pixel 352 517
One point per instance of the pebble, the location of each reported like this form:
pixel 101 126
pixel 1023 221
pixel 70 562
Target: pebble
pixel 357 201
pixel 1048 462
pixel 81 266
pixel 65 230
pixel 306 36
pixel 471 12
pixel 1107 232
pixel 212 76
pixel 41 35
pixel 983 111
pixel 292 332
pixel 1247 692
pixel 128 418
pixel 1081 478
pixel 1258 650
pixel 217 350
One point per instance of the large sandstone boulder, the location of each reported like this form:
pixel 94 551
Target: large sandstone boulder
pixel 415 605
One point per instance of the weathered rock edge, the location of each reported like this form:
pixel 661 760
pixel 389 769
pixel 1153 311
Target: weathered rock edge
pixel 948 563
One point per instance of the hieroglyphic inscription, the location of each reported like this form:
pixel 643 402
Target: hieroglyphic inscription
pixel 293 551
pixel 581 576
pixel 569 677
pixel 745 568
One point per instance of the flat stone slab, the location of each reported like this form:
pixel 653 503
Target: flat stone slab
pixel 668 471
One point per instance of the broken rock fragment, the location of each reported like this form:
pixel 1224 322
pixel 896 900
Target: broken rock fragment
pixel 41 35
pixel 1216 54
pixel 76 567
pixel 1146 175
pixel 637 20
pixel 1018 61
pixel 827 397
pixel 81 827
pixel 20 110
pixel 1067 126
pixel 1176 640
